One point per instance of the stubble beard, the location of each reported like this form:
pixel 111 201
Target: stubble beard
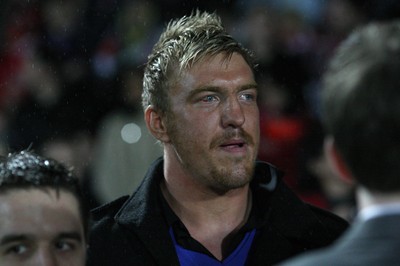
pixel 230 177
pixel 224 174
pixel 232 173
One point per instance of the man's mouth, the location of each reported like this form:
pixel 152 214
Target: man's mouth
pixel 239 144
pixel 233 141
pixel 233 144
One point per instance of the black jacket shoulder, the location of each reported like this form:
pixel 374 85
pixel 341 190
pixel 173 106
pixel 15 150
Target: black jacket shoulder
pixel 109 209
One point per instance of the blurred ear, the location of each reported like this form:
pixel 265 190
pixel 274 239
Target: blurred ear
pixel 155 124
pixel 336 160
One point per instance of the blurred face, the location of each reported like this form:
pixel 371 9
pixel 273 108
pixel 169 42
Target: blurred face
pixel 214 125
pixel 39 227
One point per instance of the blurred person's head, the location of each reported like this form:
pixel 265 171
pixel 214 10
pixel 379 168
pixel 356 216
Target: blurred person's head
pixel 43 218
pixel 361 106
pixel 260 29
pixel 342 16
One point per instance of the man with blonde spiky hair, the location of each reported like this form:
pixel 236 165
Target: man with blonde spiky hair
pixel 207 201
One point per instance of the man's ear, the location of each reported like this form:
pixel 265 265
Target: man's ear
pixel 336 160
pixel 155 124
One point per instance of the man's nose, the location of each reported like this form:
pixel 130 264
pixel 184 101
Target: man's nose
pixel 232 113
pixel 46 257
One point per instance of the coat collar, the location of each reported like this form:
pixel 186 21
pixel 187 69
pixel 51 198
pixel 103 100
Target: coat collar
pixel 143 210
pixel 285 216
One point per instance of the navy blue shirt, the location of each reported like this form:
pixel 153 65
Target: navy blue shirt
pixel 184 239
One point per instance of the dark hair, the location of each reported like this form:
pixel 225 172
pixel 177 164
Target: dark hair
pixel 361 104
pixel 25 170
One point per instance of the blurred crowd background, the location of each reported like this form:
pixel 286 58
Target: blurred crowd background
pixel 71 70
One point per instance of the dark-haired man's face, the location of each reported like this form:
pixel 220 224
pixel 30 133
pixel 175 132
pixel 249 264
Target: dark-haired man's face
pixel 40 227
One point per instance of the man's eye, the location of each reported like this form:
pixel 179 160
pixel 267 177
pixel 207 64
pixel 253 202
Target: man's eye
pixel 65 245
pixel 247 96
pixel 17 249
pixel 209 98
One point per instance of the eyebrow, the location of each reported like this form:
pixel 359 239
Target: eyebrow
pixel 217 88
pixel 71 235
pixel 14 238
pixel 249 86
pixel 23 237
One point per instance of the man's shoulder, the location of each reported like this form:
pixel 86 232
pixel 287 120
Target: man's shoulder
pixel 108 210
pixel 330 219
pixel 110 242
pixel 104 228
pixel 289 214
pixel 270 183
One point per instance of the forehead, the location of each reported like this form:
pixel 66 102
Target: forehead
pixel 217 70
pixel 41 213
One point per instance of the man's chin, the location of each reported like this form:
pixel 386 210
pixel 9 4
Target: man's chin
pixel 225 188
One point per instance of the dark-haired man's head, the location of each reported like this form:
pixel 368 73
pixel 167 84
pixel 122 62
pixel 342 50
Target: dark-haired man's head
pixel 43 216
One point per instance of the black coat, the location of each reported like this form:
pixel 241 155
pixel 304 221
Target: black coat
pixel 132 230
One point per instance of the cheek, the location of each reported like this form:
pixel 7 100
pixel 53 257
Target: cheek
pixel 196 122
pixel 74 258
pixel 192 135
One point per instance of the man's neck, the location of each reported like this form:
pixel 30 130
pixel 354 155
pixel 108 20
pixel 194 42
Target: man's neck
pixel 209 217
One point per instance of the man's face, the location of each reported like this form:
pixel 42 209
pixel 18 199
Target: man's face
pixel 39 227
pixel 214 128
